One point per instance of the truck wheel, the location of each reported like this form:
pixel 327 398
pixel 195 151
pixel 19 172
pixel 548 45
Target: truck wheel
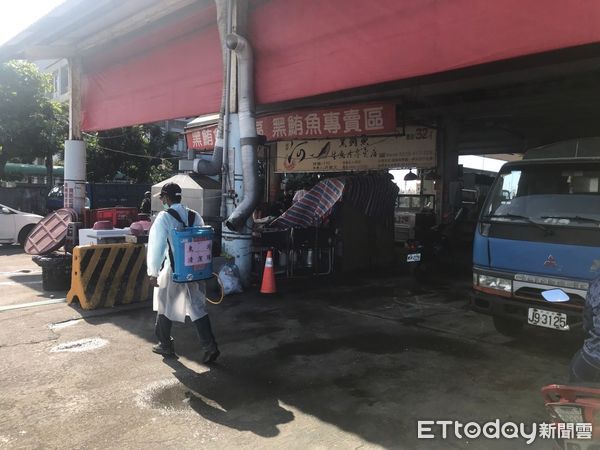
pixel 508 327
pixel 24 233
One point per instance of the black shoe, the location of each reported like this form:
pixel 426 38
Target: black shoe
pixel 211 356
pixel 162 350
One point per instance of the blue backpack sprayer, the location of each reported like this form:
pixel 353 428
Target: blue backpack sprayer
pixel 190 251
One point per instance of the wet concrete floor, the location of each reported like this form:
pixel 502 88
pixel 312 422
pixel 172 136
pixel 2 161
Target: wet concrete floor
pixel 326 363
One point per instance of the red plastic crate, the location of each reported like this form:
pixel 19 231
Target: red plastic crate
pixel 119 216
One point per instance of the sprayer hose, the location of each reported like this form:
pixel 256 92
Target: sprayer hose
pixel 222 292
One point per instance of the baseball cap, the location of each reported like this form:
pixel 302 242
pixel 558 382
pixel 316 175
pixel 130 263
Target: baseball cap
pixel 170 189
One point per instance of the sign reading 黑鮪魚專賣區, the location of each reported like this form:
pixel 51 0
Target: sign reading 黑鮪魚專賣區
pixel 351 120
pixel 417 148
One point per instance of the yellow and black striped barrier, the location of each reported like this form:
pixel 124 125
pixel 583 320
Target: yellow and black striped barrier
pixel 109 274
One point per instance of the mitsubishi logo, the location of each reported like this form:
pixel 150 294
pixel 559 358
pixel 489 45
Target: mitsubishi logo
pixel 550 261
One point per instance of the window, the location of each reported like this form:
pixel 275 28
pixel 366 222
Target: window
pixel 64 80
pixel 55 83
pixel 555 194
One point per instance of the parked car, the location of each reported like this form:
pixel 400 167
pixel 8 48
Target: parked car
pixel 16 225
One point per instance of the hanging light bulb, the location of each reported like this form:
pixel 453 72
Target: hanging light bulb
pixel 410 176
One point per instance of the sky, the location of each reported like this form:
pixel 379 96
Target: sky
pixel 16 15
pixel 481 163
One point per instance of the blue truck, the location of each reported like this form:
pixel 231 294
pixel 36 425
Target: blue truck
pixel 102 195
pixel 539 230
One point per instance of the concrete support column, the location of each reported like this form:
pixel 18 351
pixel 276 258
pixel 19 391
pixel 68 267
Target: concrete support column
pixel 237 244
pixel 274 177
pixel 74 188
pixel 448 159
pixel 75 155
pixel 75 99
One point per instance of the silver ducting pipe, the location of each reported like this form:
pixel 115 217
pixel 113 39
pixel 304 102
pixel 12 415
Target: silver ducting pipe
pixel 215 165
pixel 248 140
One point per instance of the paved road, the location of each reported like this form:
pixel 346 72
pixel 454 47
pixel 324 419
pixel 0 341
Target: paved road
pixel 326 364
pixel 21 281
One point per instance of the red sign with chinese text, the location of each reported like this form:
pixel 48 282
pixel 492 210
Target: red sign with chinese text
pixel 352 120
pixel 201 138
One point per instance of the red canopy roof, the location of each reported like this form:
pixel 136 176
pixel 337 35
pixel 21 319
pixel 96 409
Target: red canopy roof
pixel 309 47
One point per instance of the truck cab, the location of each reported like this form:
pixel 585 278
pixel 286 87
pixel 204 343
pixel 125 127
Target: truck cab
pixel 102 195
pixel 539 230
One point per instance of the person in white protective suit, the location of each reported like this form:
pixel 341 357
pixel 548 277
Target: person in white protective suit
pixel 174 301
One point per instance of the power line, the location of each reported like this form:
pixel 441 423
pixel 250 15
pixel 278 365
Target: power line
pixel 127 153
pixel 104 137
pixel 136 154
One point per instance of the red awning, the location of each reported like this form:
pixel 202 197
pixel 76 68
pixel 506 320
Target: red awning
pixel 310 47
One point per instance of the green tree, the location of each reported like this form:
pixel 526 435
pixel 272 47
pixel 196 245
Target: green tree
pixel 54 132
pixel 141 153
pixel 31 125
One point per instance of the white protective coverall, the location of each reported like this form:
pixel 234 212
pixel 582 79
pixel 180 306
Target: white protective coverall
pixel 174 300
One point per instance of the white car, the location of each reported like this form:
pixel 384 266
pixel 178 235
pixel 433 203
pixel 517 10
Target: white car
pixel 16 225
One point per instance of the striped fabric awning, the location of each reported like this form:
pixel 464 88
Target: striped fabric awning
pixel 314 208
pixel 374 194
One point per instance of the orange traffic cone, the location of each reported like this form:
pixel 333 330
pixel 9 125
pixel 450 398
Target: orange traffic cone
pixel 268 281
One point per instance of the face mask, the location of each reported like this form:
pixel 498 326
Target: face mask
pixel 165 206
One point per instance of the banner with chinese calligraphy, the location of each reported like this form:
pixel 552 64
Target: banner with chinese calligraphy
pixel 417 148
